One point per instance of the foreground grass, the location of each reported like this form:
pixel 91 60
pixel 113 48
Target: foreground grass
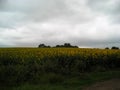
pixel 70 83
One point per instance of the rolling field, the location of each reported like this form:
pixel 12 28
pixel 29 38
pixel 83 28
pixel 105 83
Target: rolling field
pixel 56 65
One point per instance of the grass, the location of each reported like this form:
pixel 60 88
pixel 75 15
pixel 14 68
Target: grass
pixel 70 82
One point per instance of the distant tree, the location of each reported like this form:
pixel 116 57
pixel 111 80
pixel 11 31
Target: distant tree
pixel 115 47
pixel 43 46
pixel 57 45
pixel 48 46
pixel 66 45
pixel 75 46
pixel 107 48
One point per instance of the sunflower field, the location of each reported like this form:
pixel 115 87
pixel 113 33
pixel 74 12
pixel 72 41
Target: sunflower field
pixel 18 65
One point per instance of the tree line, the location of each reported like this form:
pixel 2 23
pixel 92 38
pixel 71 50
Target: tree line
pixel 114 47
pixel 68 45
pixel 65 45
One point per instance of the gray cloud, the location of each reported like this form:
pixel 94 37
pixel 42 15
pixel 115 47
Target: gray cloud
pixel 110 8
pixel 86 23
pixel 2 3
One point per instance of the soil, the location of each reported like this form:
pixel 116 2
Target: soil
pixel 113 84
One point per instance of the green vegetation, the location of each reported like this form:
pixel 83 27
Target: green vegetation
pixel 56 68
pixel 70 82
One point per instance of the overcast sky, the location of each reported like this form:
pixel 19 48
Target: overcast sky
pixel 86 23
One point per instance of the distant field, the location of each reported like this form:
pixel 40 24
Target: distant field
pixel 29 65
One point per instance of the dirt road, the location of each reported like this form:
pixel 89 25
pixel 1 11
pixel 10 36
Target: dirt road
pixel 113 84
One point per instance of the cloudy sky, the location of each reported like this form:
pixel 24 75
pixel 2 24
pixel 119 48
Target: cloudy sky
pixel 86 23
